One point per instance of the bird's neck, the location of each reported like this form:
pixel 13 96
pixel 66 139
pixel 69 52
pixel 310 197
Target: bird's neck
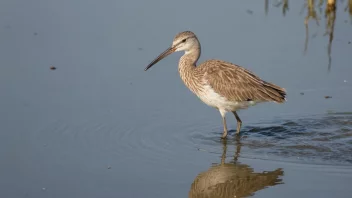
pixel 187 68
pixel 189 60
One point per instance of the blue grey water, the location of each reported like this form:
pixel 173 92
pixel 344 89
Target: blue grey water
pixel 99 126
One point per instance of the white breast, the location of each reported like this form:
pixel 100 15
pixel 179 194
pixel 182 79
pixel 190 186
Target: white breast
pixel 213 99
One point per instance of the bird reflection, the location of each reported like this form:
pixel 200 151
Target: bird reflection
pixel 232 179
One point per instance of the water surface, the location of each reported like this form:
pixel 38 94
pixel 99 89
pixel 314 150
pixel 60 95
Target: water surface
pixel 99 126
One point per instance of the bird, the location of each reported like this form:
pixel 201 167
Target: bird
pixel 220 84
pixel 232 179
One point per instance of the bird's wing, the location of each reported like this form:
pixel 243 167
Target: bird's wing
pixel 238 84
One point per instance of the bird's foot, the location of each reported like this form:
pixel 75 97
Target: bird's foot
pixel 224 135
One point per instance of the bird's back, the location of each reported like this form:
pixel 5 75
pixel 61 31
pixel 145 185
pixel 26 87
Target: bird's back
pixel 236 83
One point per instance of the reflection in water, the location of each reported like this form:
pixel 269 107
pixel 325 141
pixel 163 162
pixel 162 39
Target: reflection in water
pixel 349 7
pixel 232 179
pixel 284 4
pixel 311 14
pixel 330 16
pixel 266 7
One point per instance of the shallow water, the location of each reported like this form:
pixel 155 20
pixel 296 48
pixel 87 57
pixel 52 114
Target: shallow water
pixel 99 126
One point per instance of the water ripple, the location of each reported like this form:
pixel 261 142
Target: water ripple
pixel 320 139
pixel 323 139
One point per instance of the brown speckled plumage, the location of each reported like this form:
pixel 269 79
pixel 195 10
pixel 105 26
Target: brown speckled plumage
pixel 238 84
pixel 223 85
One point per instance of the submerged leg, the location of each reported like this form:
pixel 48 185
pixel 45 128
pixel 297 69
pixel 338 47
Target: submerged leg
pixel 239 122
pixel 223 113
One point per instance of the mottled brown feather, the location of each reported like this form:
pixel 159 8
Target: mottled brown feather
pixel 239 84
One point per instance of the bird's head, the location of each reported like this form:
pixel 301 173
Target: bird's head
pixel 183 41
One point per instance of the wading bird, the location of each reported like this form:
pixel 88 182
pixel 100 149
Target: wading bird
pixel 219 84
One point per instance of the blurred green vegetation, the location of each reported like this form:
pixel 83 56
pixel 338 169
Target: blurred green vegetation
pixel 314 11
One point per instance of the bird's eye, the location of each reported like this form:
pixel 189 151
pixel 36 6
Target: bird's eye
pixel 184 40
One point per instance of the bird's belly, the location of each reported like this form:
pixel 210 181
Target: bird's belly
pixel 213 99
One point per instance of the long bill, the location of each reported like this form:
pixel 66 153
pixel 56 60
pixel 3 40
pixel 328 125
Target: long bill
pixel 167 52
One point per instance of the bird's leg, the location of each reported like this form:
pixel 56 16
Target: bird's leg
pixel 239 122
pixel 225 128
pixel 223 113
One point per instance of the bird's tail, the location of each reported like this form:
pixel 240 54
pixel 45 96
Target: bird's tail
pixel 276 93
